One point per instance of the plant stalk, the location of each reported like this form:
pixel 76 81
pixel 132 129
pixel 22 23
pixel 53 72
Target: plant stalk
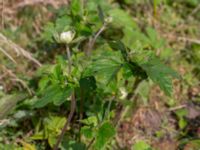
pixel 92 42
pixel 71 114
pixel 69 59
pixel 72 106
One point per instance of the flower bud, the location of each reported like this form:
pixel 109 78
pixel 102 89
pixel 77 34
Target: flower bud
pixel 67 37
pixel 108 19
pixel 123 93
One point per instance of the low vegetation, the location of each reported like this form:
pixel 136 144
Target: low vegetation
pixel 100 74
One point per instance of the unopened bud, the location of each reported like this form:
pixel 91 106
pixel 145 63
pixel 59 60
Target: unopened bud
pixel 67 37
pixel 108 19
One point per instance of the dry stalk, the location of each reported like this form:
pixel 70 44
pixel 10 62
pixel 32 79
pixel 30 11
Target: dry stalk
pixel 8 44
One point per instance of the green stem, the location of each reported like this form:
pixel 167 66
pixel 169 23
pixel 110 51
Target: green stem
pixel 69 59
pixel 72 106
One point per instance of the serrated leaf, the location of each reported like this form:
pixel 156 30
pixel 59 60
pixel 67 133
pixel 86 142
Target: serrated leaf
pixel 118 45
pixel 159 73
pixel 104 134
pixel 132 37
pixel 155 41
pixel 105 67
pixel 132 65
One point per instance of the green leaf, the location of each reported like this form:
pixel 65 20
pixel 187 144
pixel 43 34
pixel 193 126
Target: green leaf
pixel 87 132
pixel 39 136
pixel 182 123
pixel 57 72
pixel 72 145
pixel 118 45
pixel 155 41
pixel 104 134
pixel 122 18
pixel 88 84
pixel 55 123
pixel 55 94
pixel 132 65
pixel 62 23
pixel 90 121
pixel 65 93
pixel 181 113
pixel 52 140
pixel 141 145
pixel 133 36
pixel 105 67
pixel 159 73
pixel 43 83
pixel 48 32
pixel 75 7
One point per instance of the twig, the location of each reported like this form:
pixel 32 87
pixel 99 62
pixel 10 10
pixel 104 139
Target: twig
pixel 195 10
pixel 24 85
pixel 90 144
pixel 92 42
pixel 8 55
pixel 189 40
pixel 177 107
pixel 18 50
pixel 9 72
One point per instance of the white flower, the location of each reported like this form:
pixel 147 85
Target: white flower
pixel 67 37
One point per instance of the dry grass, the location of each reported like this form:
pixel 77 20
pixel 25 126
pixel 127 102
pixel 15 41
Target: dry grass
pixel 10 8
pixel 8 48
pixel 14 59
